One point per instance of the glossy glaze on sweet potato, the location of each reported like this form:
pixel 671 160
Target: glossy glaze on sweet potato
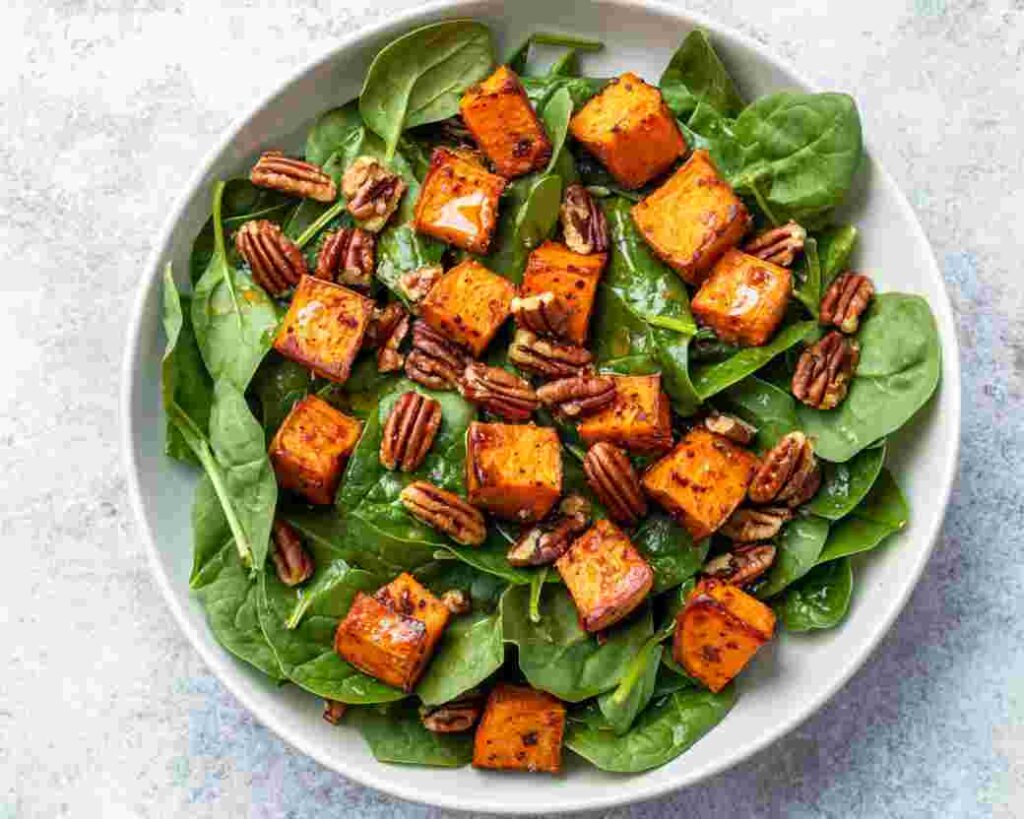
pixel 521 730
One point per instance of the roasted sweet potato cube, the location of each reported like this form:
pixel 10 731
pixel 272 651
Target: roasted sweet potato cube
pixel 718 632
pixel 701 481
pixel 639 419
pixel 392 635
pixel 514 471
pixel 605 574
pixel 458 201
pixel 744 299
pixel 631 130
pixel 324 327
pixel 502 121
pixel 692 219
pixel 468 304
pixel 572 277
pixel 310 448
pixel 521 730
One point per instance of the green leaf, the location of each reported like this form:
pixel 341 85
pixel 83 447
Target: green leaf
pixel 490 557
pixel 538 216
pixel 835 246
pixel 695 74
pixel 279 383
pixel 621 705
pixel 517 59
pixel 470 652
pixel 331 131
pixel 395 733
pixel 819 600
pixel 799 546
pixel 844 485
pixel 401 249
pixel 540 90
pixel 669 550
pixel 555 115
pixel 770 409
pixel 807 277
pixel 881 513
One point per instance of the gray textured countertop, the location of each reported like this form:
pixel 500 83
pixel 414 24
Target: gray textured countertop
pixel 105 710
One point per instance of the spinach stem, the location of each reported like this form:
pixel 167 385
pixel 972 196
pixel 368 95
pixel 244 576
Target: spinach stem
pixel 322 221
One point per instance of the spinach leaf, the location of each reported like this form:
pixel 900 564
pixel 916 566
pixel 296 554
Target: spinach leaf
pixel 490 557
pixel 331 131
pixel 669 549
pixel 668 681
pixel 710 130
pixel 825 256
pixel 420 77
pixel 662 732
pixel 519 56
pixel 538 216
pixel 401 249
pixel 819 600
pixel 696 74
pixel 557 655
pixel 900 361
pixel 807 277
pixel 540 90
pixel 440 575
pixel 278 384
pixel 555 115
pixel 799 547
pixel 470 651
pixel 769 408
pixel 395 733
pixel 233 318
pixel 882 513
pixel 621 705
pixel 844 485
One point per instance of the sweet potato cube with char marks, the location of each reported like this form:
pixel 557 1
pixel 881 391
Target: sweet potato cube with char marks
pixel 572 277
pixel 631 130
pixel 324 327
pixel 692 219
pixel 718 632
pixel 639 419
pixel 701 481
pixel 514 471
pixel 468 305
pixel 392 635
pixel 605 574
pixel 744 299
pixel 521 730
pixel 458 201
pixel 499 115
pixel 310 449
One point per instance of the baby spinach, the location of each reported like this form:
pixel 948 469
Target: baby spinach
pixel 401 249
pixel 844 485
pixel 538 216
pixel 881 513
pixel 826 254
pixel 581 89
pixel 441 575
pixel 470 651
pixel 818 600
pixel 621 705
pixel 770 409
pixel 557 655
pixel 517 59
pixel 669 550
pixel 662 732
pixel 555 115
pixel 420 77
pixel 668 681
pixel 799 547
pixel 900 361
pixel 695 74
pixel 490 557
pixel 331 131
pixel 395 733
pixel 278 384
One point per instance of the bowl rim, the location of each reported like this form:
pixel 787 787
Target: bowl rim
pixel 633 789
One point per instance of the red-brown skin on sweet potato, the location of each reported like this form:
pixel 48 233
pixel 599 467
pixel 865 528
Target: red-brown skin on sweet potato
pixel 521 730
pixel 572 277
pixel 639 418
pixel 468 305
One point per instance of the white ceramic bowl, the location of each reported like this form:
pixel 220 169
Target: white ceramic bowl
pixel 789 681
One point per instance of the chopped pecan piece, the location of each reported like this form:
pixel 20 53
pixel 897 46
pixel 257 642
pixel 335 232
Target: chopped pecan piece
pixel 547 541
pixel 748 524
pixel 295 177
pixel 444 511
pixel 346 257
pixel 373 192
pixel 547 357
pixel 457 601
pixel 498 391
pixel 417 283
pixel 612 477
pixel 845 301
pixel 276 261
pixel 789 473
pixel 742 565
pixel 387 330
pixel 823 373
pixel 778 245
pixel 334 711
pixel 291 560
pixel 409 431
pixel 434 361
pixel 578 395
pixel 731 427
pixel 542 313
pixel 583 222
pixel 453 717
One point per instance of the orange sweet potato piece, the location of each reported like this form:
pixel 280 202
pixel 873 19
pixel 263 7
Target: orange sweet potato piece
pixel 502 121
pixel 718 632
pixel 605 574
pixel 701 481
pixel 639 418
pixel 458 201
pixel 692 219
pixel 310 449
pixel 572 277
pixel 521 730
pixel 468 305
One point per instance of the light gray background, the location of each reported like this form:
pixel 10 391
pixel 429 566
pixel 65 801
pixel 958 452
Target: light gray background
pixel 106 107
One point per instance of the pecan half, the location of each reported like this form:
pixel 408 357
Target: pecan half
pixel 578 395
pixel 295 177
pixel 276 261
pixel 583 222
pixel 387 330
pixel 457 601
pixel 498 391
pixel 291 560
pixel 742 565
pixel 444 511
pixel 434 361
pixel 789 473
pixel 373 192
pixel 409 431
pixel 845 301
pixel 748 524
pixel 417 283
pixel 542 313
pixel 547 357
pixel 547 541
pixel 347 257
pixel 612 477
pixel 453 717
pixel 334 711
pixel 731 427
pixel 779 245
pixel 824 371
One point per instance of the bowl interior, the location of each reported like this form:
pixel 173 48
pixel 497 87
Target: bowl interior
pixel 788 681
